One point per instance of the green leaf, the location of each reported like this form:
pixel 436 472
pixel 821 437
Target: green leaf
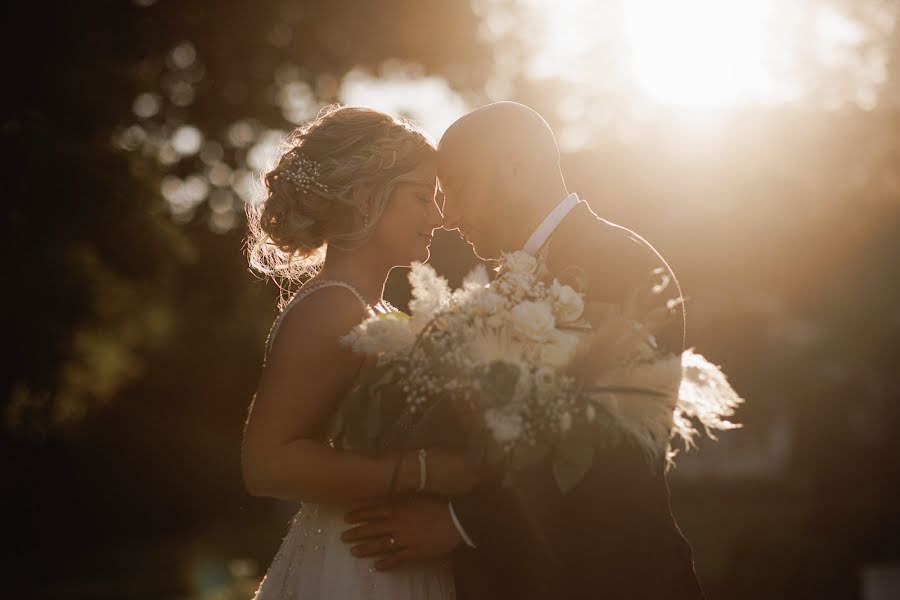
pixel 438 425
pixel 362 419
pixel 381 376
pixel 353 411
pixel 526 455
pixel 372 420
pixel 628 390
pixel 495 455
pixel 572 459
pixel 475 451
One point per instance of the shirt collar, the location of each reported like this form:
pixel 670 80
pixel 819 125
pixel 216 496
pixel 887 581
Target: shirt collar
pixel 550 223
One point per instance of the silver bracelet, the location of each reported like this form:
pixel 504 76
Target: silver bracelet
pixel 423 469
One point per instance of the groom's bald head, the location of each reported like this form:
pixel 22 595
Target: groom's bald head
pixel 499 169
pixel 502 130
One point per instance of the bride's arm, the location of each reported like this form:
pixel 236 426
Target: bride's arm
pixel 308 371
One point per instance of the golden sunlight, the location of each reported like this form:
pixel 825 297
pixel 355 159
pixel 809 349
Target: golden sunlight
pixel 687 54
pixel 701 53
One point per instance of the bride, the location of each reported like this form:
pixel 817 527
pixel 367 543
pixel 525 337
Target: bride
pixel 352 197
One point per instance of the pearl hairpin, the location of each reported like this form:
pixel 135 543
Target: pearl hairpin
pixel 304 173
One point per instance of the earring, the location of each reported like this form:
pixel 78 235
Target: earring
pixel 366 220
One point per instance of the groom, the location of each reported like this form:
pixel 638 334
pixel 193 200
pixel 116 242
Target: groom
pixel 613 535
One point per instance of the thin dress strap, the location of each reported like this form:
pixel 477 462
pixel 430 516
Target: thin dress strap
pixel 303 293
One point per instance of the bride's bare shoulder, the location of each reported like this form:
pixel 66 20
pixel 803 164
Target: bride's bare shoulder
pixel 319 319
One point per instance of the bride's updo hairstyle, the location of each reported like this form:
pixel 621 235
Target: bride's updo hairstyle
pixel 336 166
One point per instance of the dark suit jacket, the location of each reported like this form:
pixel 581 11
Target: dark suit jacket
pixel 612 536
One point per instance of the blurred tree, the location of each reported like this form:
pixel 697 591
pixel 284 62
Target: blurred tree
pixel 90 254
pixel 115 101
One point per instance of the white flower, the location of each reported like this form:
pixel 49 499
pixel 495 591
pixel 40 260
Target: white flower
pixel 568 305
pixel 485 347
pixel 430 292
pixel 485 302
pixel 387 335
pixel 472 286
pixel 505 426
pixel 565 422
pixel 477 278
pixel 559 349
pixel 519 283
pixel 533 320
pixel 520 262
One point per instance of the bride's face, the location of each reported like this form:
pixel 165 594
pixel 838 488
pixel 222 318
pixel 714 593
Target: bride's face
pixel 404 231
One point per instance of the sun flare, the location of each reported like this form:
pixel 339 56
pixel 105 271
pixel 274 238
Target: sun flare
pixel 699 52
pixel 692 53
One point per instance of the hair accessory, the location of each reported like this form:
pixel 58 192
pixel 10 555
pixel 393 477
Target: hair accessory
pixel 303 173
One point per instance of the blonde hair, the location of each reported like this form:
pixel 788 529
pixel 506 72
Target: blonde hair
pixel 310 202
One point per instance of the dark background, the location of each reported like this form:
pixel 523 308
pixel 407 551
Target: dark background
pixel 135 331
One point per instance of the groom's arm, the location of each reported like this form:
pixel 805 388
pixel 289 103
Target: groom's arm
pixel 511 526
pixel 485 520
pixel 619 263
pixel 663 291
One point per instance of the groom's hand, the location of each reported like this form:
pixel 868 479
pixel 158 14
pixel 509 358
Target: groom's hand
pixel 413 529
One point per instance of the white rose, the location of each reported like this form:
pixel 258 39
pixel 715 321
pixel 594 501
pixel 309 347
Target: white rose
pixel 505 426
pixel 520 262
pixel 559 349
pixel 533 320
pixel 568 304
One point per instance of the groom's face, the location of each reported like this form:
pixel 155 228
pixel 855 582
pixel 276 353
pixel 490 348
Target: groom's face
pixel 474 206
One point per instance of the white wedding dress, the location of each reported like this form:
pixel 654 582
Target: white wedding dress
pixel 313 563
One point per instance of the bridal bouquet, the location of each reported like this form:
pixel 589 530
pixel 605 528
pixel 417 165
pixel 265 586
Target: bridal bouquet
pixel 517 370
